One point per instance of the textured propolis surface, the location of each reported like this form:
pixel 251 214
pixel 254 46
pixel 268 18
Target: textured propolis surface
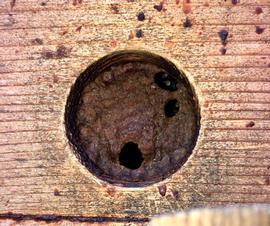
pixel 45 45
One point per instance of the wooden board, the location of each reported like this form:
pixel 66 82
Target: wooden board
pixel 230 164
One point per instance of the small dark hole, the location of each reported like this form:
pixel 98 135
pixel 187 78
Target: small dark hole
pixel 171 108
pixel 187 23
pixel 166 81
pixel 131 156
pixel 141 16
pixel 223 34
pixel 139 33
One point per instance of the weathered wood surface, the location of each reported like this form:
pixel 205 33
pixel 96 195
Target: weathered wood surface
pixel 230 164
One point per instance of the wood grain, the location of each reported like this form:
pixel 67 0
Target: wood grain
pixel 230 163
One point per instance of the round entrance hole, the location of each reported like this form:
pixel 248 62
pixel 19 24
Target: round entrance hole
pixel 130 156
pixel 132 118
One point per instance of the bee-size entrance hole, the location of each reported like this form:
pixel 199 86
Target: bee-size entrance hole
pixel 171 108
pixel 130 156
pixel 132 118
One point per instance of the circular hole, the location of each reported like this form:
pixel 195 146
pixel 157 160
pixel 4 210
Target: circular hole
pixel 122 98
pixel 130 156
pixel 171 108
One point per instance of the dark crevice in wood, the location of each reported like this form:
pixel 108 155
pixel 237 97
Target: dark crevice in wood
pixel 56 218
